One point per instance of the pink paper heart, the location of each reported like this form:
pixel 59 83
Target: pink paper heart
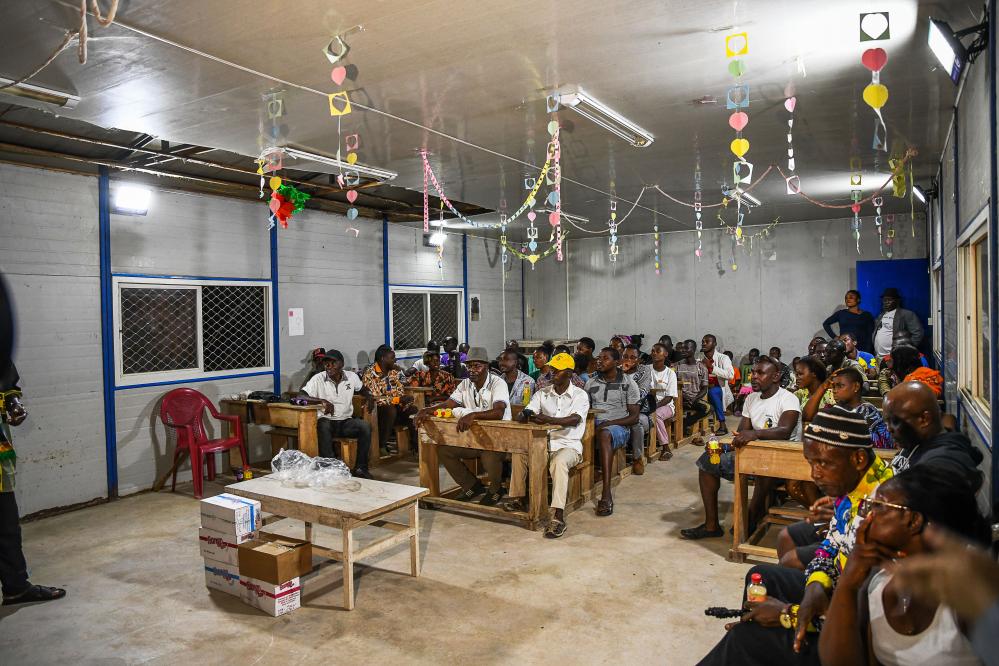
pixel 874 59
pixel 351 196
pixel 738 121
pixel 553 219
pixel 274 205
pixel 855 208
pixel 531 216
pixel 790 103
pixel 339 75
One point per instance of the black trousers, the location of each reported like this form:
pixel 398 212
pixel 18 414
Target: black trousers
pixel 751 644
pixel 352 428
pixel 13 568
pixel 692 415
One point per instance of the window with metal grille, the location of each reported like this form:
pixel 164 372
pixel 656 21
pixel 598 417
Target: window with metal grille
pixel 171 330
pixel 420 314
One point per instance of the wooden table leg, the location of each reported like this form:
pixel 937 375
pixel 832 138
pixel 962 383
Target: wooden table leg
pixel 537 464
pixel 308 437
pixel 348 565
pixel 429 467
pixel 740 514
pixel 308 532
pixel 414 539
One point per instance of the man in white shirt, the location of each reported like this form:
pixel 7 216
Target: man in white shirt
pixel 893 320
pixel 481 396
pixel 562 404
pixel 334 389
pixel 770 412
pixel 664 388
pixel 720 371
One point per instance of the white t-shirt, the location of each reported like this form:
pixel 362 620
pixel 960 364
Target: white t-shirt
pixel 765 413
pixel 883 338
pixel 663 383
pixel 574 401
pixel 472 399
pixel 341 395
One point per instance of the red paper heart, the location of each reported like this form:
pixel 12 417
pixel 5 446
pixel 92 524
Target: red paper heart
pixel 339 75
pixel 874 59
pixel 352 196
pixel 855 208
pixel 738 121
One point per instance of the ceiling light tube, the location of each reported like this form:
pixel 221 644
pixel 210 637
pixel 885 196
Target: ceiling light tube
pixel 38 94
pixel 362 169
pixel 747 197
pixel 606 117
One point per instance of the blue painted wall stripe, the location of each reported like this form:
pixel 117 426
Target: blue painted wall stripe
pixel 464 280
pixel 194 380
pixel 385 277
pixel 187 277
pixel 107 328
pixel 276 312
pixel 993 247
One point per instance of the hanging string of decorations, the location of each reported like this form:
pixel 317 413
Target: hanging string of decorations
pixel 737 100
pixel 530 256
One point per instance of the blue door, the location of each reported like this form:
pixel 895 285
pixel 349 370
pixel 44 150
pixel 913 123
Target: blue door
pixel 912 279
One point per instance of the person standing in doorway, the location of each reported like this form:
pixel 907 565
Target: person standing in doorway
pixel 894 319
pixel 852 319
pixel 719 372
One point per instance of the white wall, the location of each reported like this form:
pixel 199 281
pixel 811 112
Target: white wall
pixel 49 255
pixel 762 304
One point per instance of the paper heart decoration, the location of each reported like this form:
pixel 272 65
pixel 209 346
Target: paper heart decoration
pixel 275 182
pixel 351 158
pixel 790 103
pixel 533 245
pixel 533 258
pixel 553 219
pixel 351 196
pixel 738 121
pixel 874 59
pixel 274 205
pixel 553 197
pixel 740 147
pixel 874 25
pixel 736 68
pixel 553 127
pixel 531 216
pixel 351 213
pixel 855 208
pixel 876 94
pixel 339 75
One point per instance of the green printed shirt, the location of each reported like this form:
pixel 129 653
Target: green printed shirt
pixel 8 460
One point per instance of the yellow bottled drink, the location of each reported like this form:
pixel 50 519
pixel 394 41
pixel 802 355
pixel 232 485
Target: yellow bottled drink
pixel 756 591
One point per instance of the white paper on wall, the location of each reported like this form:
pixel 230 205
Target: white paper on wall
pixel 296 321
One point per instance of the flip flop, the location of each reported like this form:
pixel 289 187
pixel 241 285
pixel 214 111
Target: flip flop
pixel 35 593
pixel 605 507
pixel 666 454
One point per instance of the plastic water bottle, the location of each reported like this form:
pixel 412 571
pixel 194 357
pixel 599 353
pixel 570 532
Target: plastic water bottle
pixel 714 451
pixel 756 591
pixel 527 394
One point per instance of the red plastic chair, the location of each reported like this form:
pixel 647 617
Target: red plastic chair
pixel 183 409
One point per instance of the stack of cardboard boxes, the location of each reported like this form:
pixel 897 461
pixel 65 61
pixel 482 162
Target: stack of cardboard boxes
pixel 263 573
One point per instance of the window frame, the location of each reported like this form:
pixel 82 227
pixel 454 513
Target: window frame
pixel 970 364
pixel 936 308
pixel 459 292
pixel 187 374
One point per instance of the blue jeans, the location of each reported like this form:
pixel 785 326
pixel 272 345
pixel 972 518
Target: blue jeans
pixel 717 400
pixel 619 435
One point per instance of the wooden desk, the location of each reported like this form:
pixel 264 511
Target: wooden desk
pixel 530 439
pixel 358 503
pixel 777 459
pixel 279 415
pixel 420 395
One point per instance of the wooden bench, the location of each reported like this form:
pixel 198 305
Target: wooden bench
pixel 375 457
pixel 652 448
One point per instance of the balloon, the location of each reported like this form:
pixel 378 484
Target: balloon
pixel 738 121
pixel 875 94
pixel 740 147
pixel 874 59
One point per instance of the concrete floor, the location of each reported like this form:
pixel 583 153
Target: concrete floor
pixel 620 589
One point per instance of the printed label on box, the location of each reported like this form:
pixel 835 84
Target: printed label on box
pixel 229 514
pixel 221 547
pixel 274 600
pixel 223 577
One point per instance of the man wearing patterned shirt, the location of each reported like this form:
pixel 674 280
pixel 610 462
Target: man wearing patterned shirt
pixel 440 382
pixel 385 384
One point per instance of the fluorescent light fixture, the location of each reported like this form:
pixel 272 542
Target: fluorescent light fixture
pixel 924 195
pixel 437 238
pixel 329 160
pixel 739 193
pixel 39 94
pixel 947 48
pixel 606 117
pixel 131 200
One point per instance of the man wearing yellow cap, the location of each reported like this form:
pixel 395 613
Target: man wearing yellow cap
pixel 560 404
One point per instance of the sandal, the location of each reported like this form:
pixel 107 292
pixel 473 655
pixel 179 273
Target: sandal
pixel 666 454
pixel 701 532
pixel 605 507
pixel 35 593
pixel 555 529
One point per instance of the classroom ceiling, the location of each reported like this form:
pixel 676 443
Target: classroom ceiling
pixel 468 80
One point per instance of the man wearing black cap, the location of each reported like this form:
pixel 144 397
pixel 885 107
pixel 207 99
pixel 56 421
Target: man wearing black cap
pixel 894 319
pixel 334 389
pixel 837 446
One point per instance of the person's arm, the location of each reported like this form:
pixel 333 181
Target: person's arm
pixel 627 421
pixel 814 402
pixel 827 324
pixel 722 370
pixel 495 413
pixel 783 430
pixel 916 327
pixel 884 379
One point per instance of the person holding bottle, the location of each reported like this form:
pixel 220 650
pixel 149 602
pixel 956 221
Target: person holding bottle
pixel 518 382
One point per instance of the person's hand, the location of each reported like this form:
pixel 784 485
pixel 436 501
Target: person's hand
pixel 865 556
pixel 814 604
pixel 872 372
pixel 466 421
pixel 327 407
pixel 742 438
pixel 955 572
pixel 822 511
pixel 421 416
pixel 407 399
pixel 764 613
pixel 541 419
pixel 370 404
pixel 16 413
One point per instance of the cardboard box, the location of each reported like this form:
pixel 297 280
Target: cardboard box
pixel 229 514
pixel 272 599
pixel 221 547
pixel 223 577
pixel 275 561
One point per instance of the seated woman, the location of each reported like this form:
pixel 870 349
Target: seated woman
pixel 904 364
pixel 871 618
pixel 539 359
pixel 387 388
pixel 664 390
pixel 810 378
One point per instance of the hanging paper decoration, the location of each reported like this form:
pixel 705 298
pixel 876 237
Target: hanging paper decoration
pixel 440 245
pixel 612 228
pixel 698 222
pixel 738 98
pixel 855 225
pixel 876 94
pixel 897 167
pixel 890 235
pixel 655 238
pixel 286 200
pixel 793 183
pixel 532 257
pixel 554 178
pixel 874 26
pixel 878 202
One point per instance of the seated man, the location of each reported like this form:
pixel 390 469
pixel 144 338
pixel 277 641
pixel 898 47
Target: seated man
pixel 614 394
pixel 868 363
pixel 584 353
pixel 663 383
pixel 421 364
pixel 837 445
pixel 482 396
pixel 786 371
pixel 517 381
pixel 562 404
pixel 440 381
pixel 632 367
pixel 385 384
pixel 522 363
pixel 693 379
pixel 770 412
pixel 334 389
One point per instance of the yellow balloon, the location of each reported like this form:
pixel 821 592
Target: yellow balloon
pixel 876 94
pixel 740 147
pixel 275 182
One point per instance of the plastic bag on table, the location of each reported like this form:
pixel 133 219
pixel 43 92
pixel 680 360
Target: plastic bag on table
pixel 292 468
pixel 327 472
